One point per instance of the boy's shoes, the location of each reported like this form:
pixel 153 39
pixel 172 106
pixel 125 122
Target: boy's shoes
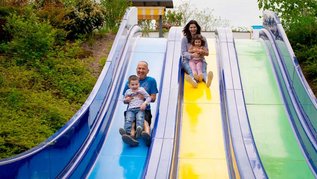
pixel 138 132
pixel 122 131
pixel 200 77
pixel 147 138
pixel 129 140
pixel 210 75
pixel 191 80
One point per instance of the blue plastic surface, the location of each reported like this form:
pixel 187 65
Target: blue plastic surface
pixel 116 159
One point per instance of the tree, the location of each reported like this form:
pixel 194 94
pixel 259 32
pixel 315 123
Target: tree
pixel 208 21
pixel 204 17
pixel 186 10
pixel 299 18
pixel 172 18
pixel 290 11
pixel 114 11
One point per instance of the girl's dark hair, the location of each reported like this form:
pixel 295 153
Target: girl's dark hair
pixel 198 37
pixel 186 31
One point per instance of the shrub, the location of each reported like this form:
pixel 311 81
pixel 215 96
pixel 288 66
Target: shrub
pixel 56 14
pixel 303 31
pixel 31 39
pixel 4 12
pixel 28 118
pixel 84 18
pixel 72 80
pixel 114 11
pixel 302 35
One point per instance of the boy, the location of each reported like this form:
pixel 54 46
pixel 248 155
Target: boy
pixel 134 96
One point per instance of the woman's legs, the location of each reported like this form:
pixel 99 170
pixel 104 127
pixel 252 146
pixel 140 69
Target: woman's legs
pixel 207 77
pixel 186 67
pixel 204 69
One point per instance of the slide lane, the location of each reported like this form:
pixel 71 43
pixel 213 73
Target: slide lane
pixel 301 104
pixel 116 159
pixel 277 145
pixel 242 153
pixel 306 100
pixel 201 146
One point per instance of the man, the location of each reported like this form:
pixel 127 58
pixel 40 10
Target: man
pixel 150 85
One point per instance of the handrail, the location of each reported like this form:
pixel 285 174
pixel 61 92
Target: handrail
pixel 164 127
pixel 271 21
pixel 240 139
pixel 309 147
pixel 116 77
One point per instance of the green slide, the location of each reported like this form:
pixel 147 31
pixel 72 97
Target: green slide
pixel 277 145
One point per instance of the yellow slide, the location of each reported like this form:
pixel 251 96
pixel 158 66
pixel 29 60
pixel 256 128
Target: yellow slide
pixel 201 148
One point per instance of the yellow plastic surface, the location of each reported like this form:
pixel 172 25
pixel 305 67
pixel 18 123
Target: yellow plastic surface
pixel 201 151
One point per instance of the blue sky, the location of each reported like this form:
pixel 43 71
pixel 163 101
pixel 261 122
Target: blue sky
pixel 240 13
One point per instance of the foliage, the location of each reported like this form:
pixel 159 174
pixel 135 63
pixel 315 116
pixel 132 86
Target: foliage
pixel 114 11
pixel 172 18
pixel 44 77
pixel 31 39
pixel 85 17
pixel 56 14
pixel 204 17
pixel 36 102
pixel 4 12
pixel 146 26
pixel 303 32
pixel 186 10
pixel 290 11
pixel 19 3
pixel 208 21
pixel 28 118
pixel 299 18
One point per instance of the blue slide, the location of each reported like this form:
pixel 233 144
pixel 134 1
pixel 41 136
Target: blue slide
pixel 116 159
pixel 90 145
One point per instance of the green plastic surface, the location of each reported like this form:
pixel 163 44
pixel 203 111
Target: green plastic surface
pixel 277 145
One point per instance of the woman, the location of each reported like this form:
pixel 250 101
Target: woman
pixel 192 28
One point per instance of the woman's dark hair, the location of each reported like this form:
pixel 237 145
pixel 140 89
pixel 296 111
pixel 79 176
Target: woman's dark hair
pixel 198 37
pixel 186 31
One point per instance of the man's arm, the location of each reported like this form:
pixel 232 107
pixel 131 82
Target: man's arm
pixel 147 98
pixel 154 90
pixel 153 98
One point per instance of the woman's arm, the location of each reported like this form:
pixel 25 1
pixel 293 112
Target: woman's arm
pixel 191 49
pixel 184 50
pixel 204 51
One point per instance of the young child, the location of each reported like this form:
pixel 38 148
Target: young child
pixel 198 50
pixel 137 99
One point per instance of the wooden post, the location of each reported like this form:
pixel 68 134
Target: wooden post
pixel 161 26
